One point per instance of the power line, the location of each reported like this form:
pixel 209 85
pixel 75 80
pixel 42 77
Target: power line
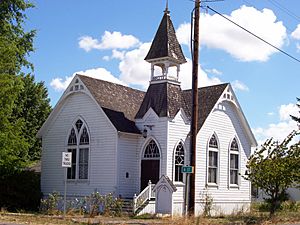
pixel 263 40
pixel 284 9
pixel 290 30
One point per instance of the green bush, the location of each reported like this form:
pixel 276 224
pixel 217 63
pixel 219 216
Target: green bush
pixel 20 191
pixel 286 206
pixel 50 204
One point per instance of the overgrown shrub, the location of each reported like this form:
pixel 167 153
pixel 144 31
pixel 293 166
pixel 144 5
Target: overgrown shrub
pixel 91 205
pixel 287 206
pixel 20 191
pixel 207 204
pixel 50 205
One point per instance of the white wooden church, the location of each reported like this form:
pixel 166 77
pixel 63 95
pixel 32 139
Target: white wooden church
pixel 121 138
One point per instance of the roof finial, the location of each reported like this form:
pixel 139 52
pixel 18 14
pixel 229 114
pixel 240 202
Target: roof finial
pixel 167 8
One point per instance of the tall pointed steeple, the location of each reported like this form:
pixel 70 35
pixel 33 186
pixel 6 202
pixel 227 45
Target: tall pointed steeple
pixel 165 51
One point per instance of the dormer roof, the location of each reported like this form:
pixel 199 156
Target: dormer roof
pixel 165 43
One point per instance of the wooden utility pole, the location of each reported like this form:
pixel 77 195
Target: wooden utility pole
pixel 194 122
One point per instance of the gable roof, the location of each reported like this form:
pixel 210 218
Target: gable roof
pixel 165 180
pixel 123 104
pixel 165 43
pixel 166 99
pixel 118 102
pixel 207 99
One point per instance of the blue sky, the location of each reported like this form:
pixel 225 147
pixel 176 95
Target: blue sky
pixel 108 39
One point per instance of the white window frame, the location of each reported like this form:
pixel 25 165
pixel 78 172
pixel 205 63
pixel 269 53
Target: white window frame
pixel 216 150
pixel 174 163
pixel 236 153
pixel 79 148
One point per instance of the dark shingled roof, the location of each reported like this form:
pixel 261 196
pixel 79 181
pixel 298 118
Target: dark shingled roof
pixel 165 43
pixel 119 103
pixel 123 104
pixel 163 98
pixel 207 99
pixel 166 99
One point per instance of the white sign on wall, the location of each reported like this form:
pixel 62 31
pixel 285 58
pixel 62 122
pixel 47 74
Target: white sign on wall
pixel 66 159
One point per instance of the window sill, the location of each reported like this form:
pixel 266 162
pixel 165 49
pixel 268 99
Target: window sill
pixel 81 181
pixel 212 185
pixel 234 186
pixel 179 184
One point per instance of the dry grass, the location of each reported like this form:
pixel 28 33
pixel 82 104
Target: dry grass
pixel 253 218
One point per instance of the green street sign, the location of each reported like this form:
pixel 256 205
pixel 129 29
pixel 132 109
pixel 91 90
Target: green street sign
pixel 187 169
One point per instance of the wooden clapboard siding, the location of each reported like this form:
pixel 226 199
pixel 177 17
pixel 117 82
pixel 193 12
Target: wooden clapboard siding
pixel 128 158
pixel 102 157
pixel 178 130
pixel 225 123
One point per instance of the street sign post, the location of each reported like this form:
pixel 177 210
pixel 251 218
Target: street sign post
pixel 187 169
pixel 66 163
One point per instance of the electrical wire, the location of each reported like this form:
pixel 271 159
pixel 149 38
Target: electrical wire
pixel 284 9
pixel 263 40
pixel 290 30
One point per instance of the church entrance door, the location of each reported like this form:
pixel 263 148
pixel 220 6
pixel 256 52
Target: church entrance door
pixel 150 165
pixel 149 171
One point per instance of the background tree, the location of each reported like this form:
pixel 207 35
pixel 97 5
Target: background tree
pixel 274 168
pixel 24 103
pixel 33 107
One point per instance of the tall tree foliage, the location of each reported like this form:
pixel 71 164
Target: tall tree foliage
pixel 274 168
pixel 33 107
pixel 24 103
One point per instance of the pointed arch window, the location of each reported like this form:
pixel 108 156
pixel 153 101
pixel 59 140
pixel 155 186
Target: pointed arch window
pixel 78 145
pixel 234 162
pixel 213 160
pixel 72 138
pixel 151 150
pixel 179 162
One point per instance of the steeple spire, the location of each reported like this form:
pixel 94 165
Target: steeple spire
pixel 167 8
pixel 165 51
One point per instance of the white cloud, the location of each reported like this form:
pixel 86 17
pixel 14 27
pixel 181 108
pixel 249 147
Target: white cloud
pixel 185 76
pixel 214 71
pixel 118 54
pixel 88 43
pixel 296 33
pixel 106 58
pixel 216 32
pixel 286 110
pixel 183 34
pixel 60 84
pixel 114 40
pixel 270 113
pixel 238 85
pixel 279 130
pixel 136 71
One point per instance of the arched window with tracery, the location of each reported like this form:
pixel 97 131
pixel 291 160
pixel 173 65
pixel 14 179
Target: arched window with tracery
pixel 78 145
pixel 213 159
pixel 151 150
pixel 234 162
pixel 178 162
